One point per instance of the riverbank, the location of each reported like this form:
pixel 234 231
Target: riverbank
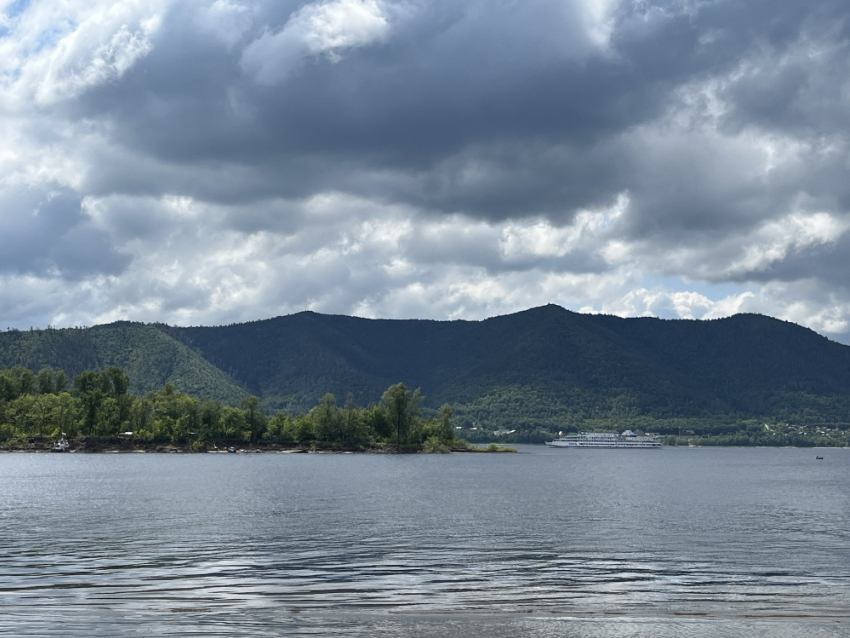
pixel 128 445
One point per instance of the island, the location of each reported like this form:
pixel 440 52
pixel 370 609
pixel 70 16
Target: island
pixel 97 413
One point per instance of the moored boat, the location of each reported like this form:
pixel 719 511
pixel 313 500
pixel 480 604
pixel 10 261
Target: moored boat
pixel 627 439
pixel 61 445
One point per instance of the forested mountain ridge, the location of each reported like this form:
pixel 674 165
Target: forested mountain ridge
pixel 546 368
pixel 149 356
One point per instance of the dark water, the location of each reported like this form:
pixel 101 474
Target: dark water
pixel 672 542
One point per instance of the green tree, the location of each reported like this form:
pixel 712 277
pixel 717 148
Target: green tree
pixel 210 415
pixel 22 414
pixel 354 431
pixel 403 410
pixel 60 381
pixel 376 420
pixel 45 381
pixel 26 381
pixel 446 432
pixel 65 416
pixel 104 402
pixel 282 428
pixel 305 429
pixel 326 419
pixel 44 408
pixel 9 386
pixel 115 383
pixel 255 420
pixel 89 391
pixel 108 419
pixel 233 422
pixel 141 415
pixel 188 423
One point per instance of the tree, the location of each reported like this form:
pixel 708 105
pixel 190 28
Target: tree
pixel 233 422
pixel 23 414
pixel 188 421
pixel 141 415
pixel 60 381
pixel 446 432
pixel 376 421
pixel 305 430
pixel 105 404
pixel 354 431
pixel 115 382
pixel 43 409
pixel 326 419
pixel 9 386
pixel 65 414
pixel 26 380
pixel 108 417
pixel 403 409
pixel 45 381
pixel 89 390
pixel 211 419
pixel 255 419
pixel 282 427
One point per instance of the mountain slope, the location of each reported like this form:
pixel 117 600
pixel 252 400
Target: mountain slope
pixel 543 365
pixel 542 368
pixel 149 356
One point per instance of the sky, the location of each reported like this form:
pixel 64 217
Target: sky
pixel 210 162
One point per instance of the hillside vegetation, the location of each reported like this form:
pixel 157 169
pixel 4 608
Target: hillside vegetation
pixel 537 372
pixel 149 356
pixel 97 410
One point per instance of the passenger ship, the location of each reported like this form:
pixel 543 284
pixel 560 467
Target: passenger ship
pixel 627 439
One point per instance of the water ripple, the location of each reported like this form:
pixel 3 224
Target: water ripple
pixel 424 546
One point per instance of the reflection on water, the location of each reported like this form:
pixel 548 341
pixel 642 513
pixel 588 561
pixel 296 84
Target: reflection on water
pixel 676 542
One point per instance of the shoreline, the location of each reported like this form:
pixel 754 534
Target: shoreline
pixel 120 445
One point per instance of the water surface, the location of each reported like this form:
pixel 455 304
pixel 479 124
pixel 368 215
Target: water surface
pixel 678 542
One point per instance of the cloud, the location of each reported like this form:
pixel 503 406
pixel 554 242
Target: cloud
pixel 321 29
pixel 226 20
pixel 56 52
pixel 47 234
pixel 543 239
pixel 204 162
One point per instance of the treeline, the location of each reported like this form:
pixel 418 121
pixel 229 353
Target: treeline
pixel 746 439
pixel 98 404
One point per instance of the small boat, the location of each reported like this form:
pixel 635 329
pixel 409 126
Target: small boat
pixel 61 445
pixel 819 458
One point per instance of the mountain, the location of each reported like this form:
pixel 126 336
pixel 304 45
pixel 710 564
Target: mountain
pixel 149 356
pixel 542 368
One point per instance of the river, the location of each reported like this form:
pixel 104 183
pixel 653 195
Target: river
pixel 546 542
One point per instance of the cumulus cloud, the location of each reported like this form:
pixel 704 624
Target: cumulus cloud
pixel 227 160
pixel 327 29
pixel 225 20
pixel 55 52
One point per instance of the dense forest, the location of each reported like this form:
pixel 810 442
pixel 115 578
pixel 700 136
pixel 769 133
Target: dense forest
pixel 528 375
pixel 97 404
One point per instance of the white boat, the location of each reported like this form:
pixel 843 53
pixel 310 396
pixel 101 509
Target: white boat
pixel 61 445
pixel 627 439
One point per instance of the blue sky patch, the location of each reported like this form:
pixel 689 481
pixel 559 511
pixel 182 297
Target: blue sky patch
pixel 17 8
